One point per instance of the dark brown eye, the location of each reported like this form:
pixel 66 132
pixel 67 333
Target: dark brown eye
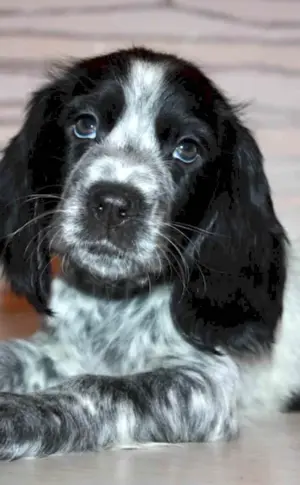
pixel 187 151
pixel 86 127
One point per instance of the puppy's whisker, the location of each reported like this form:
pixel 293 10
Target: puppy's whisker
pixel 41 240
pixel 36 219
pixel 53 238
pixel 33 197
pixel 170 264
pixel 192 243
pixel 49 263
pixel 195 229
pixel 195 262
pixel 180 262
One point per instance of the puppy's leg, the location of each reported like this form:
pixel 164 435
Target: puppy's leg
pixel 175 404
pixel 34 364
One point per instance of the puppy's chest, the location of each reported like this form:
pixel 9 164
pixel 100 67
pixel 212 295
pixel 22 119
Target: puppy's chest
pixel 117 337
pixel 133 336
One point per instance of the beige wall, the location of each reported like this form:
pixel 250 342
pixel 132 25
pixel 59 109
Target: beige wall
pixel 250 47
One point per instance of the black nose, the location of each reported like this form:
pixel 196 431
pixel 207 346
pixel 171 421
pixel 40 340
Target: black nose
pixel 113 203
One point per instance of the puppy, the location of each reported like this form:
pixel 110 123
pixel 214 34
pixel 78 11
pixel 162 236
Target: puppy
pixel 176 314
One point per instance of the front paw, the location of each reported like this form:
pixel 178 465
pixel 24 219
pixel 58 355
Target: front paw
pixel 21 428
pixel 43 424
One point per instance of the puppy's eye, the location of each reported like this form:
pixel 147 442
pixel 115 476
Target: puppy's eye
pixel 187 151
pixel 85 127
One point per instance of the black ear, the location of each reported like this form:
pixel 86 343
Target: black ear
pixel 29 176
pixel 237 263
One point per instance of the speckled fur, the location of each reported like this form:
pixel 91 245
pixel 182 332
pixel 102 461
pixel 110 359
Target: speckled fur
pixel 129 382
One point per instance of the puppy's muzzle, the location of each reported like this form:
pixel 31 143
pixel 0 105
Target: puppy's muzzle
pixel 114 208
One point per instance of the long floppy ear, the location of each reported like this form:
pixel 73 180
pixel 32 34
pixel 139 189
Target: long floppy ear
pixel 29 170
pixel 237 268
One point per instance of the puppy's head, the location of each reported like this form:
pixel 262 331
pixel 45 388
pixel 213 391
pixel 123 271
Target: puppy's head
pixel 131 165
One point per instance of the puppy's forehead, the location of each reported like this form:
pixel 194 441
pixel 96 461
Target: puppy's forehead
pixel 145 79
pixel 143 88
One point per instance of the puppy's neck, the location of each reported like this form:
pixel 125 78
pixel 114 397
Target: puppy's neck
pixel 87 283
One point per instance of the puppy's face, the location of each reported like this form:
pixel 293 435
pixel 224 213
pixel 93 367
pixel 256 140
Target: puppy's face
pixel 134 165
pixel 135 142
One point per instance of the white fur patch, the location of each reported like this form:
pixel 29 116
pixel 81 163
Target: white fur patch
pixel 142 95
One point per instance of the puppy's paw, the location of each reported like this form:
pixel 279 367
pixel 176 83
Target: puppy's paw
pixel 20 430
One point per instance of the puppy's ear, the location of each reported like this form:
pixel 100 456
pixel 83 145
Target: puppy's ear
pixel 235 291
pixel 29 177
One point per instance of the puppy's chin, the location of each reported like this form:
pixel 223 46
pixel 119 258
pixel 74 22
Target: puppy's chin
pixel 108 264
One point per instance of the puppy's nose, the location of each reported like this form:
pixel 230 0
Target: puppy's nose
pixel 114 203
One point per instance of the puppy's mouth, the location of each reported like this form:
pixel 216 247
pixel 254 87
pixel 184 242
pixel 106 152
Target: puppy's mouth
pixel 105 249
pixel 100 252
pixel 108 262
pixel 134 254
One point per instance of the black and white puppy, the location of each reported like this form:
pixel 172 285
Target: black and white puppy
pixel 176 314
